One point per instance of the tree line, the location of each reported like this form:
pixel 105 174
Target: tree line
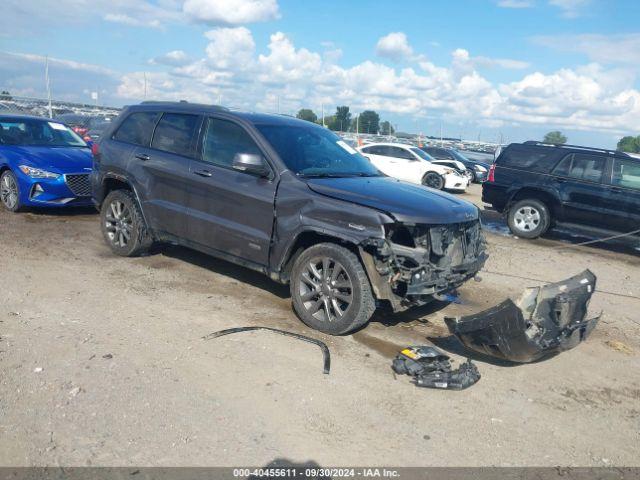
pixel 342 121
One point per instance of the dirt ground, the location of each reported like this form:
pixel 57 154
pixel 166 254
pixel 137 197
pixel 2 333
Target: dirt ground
pixel 102 363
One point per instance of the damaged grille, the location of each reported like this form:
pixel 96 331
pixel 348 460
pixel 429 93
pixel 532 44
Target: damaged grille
pixel 79 184
pixel 418 260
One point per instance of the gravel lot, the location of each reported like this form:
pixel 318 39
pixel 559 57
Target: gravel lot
pixel 102 363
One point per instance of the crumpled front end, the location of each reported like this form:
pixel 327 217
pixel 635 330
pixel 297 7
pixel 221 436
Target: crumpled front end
pixel 414 262
pixel 544 321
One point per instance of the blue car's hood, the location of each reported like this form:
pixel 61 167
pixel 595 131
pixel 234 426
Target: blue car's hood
pixel 53 159
pixel 404 201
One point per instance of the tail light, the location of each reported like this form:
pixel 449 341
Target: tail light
pixel 492 172
pixel 94 149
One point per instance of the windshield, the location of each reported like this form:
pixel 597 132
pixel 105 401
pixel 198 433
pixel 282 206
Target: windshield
pixel 459 156
pixel 314 151
pixel 40 133
pixel 422 154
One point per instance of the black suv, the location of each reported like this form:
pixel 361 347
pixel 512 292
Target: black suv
pixel 537 185
pixel 287 198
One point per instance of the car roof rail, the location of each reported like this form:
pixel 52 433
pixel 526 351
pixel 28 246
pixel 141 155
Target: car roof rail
pixel 577 147
pixel 183 102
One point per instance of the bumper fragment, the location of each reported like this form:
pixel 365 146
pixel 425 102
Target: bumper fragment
pixel 544 321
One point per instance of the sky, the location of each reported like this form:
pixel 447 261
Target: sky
pixel 477 69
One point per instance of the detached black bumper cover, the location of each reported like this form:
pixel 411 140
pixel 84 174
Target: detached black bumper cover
pixel 545 320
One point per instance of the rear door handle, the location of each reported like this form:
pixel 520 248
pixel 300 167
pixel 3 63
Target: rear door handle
pixel 203 173
pixel 143 156
pixel 560 180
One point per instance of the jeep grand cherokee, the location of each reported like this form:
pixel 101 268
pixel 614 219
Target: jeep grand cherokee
pixel 287 198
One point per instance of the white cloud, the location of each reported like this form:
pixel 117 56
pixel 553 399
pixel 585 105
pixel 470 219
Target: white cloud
pixel 394 46
pixel 22 17
pixel 623 48
pixel 174 58
pixel 516 3
pixel 130 21
pixel 231 12
pixel 570 8
pixel 591 97
pixel 230 47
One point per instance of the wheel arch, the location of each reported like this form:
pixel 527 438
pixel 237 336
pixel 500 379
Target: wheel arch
pixel 305 239
pixel 112 182
pixel 548 198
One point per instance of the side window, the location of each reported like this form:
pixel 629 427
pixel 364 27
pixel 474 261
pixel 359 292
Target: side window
pixel 137 128
pixel 626 173
pixel 587 167
pixel 174 133
pixel 223 140
pixel 446 155
pixel 564 167
pixel 398 152
pixel 536 159
pixel 369 150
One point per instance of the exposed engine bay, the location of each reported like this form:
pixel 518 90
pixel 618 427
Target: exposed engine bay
pixel 544 321
pixel 414 262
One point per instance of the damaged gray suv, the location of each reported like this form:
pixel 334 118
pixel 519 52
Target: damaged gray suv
pixel 287 198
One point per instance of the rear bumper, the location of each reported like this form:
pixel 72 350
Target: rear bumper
pixel 494 195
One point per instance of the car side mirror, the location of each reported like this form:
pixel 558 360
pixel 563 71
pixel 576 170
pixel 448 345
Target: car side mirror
pixel 251 163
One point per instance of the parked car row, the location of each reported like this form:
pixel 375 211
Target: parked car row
pixel 349 229
pixel 279 195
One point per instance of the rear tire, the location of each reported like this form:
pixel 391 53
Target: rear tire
pixel 433 180
pixel 123 225
pixel 529 218
pixel 10 192
pixel 330 290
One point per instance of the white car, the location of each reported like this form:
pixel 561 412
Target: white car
pixel 409 163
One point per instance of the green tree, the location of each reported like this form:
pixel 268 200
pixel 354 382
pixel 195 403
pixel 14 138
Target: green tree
pixel 343 119
pixel 369 122
pixel 386 128
pixel 5 95
pixel 330 122
pixel 629 144
pixel 555 137
pixel 307 114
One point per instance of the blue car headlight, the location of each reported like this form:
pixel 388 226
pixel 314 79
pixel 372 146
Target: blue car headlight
pixel 37 172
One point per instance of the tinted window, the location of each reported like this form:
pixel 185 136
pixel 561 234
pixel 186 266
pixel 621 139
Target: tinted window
pixel 223 139
pixel 564 167
pixel 626 173
pixel 39 133
pixel 398 152
pixel 423 155
pixel 537 159
pixel 174 133
pixel 137 128
pixel 582 167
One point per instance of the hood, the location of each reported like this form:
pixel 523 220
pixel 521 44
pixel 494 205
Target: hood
pixel 53 159
pixel 404 201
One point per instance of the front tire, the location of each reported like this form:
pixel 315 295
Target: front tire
pixel 330 290
pixel 433 180
pixel 123 225
pixel 529 218
pixel 10 192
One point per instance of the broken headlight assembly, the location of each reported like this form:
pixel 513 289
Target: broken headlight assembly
pixel 544 321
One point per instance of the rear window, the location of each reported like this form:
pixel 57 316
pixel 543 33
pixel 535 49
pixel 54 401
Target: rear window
pixel 537 159
pixel 582 167
pixel 174 133
pixel 137 128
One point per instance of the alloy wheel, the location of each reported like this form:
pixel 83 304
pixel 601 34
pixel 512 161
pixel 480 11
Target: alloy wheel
pixel 326 291
pixel 9 191
pixel 118 223
pixel 433 180
pixel 527 219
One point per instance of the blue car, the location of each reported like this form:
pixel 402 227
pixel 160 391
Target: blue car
pixel 43 163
